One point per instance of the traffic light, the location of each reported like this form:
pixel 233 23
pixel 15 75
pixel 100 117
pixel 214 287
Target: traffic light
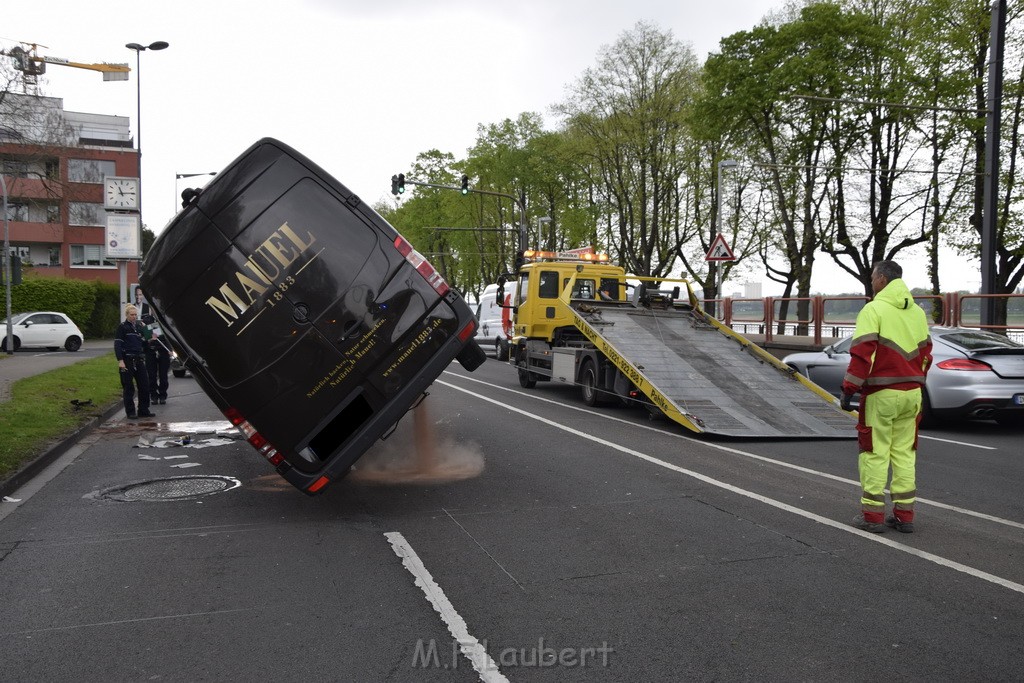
pixel 15 271
pixel 520 260
pixel 465 184
pixel 398 184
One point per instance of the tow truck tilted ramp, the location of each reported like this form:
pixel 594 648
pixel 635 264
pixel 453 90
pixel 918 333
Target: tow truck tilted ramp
pixel 706 377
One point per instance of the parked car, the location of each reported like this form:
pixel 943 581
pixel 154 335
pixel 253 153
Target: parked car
pixel 42 329
pixel 975 374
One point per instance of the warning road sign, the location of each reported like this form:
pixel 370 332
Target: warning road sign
pixel 720 250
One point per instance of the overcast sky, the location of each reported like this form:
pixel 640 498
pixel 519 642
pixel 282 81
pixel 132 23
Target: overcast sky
pixel 360 87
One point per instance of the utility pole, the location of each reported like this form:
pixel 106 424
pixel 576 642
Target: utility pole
pixel 993 120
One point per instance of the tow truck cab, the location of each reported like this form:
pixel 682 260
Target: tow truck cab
pixel 542 281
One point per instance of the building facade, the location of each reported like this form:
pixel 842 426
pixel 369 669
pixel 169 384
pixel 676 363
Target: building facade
pixel 54 162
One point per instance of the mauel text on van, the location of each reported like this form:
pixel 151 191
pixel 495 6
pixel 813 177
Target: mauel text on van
pixel 267 264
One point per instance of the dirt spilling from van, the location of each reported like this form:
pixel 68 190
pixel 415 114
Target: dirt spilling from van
pixel 417 454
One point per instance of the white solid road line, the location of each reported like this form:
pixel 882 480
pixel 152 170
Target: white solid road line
pixel 468 645
pixel 877 538
pixel 754 456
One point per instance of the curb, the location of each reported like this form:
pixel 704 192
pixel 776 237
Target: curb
pixel 47 457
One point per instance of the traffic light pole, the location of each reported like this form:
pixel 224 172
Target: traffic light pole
pixel 465 189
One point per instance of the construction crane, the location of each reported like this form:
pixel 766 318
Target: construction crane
pixel 31 64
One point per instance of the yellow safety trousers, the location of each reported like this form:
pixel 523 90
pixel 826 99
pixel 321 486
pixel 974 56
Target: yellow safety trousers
pixel 887 437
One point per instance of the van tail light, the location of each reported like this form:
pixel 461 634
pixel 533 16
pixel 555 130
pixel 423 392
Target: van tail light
pixel 318 484
pixel 467 331
pixel 421 264
pixel 963 364
pixel 265 448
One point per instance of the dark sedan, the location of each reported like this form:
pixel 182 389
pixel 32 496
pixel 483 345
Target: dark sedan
pixel 975 374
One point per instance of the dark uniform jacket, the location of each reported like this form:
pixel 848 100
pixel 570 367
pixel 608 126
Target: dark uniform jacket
pixel 128 340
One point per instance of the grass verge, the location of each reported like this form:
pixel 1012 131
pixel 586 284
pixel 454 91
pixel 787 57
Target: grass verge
pixel 40 411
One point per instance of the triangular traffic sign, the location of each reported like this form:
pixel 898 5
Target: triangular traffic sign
pixel 720 250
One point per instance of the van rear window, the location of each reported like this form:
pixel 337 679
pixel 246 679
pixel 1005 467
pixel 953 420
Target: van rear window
pixel 289 265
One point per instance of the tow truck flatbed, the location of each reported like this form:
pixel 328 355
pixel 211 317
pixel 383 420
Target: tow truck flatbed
pixel 707 377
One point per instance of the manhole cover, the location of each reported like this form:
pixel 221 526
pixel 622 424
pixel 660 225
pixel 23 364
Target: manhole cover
pixel 173 488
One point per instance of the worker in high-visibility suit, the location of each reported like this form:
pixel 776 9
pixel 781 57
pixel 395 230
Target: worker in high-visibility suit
pixel 889 359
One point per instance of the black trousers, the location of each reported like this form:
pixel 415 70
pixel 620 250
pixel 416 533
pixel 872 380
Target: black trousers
pixel 158 364
pixel 135 374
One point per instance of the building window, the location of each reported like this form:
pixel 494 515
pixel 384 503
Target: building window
pixel 14 168
pixel 90 170
pixel 89 256
pixel 82 213
pixel 17 211
pixel 54 256
pixel 53 213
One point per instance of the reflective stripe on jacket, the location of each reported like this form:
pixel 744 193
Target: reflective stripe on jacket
pixel 892 347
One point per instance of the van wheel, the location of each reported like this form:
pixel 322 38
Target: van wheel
pixel 501 351
pixel 73 343
pixel 526 379
pixel 589 386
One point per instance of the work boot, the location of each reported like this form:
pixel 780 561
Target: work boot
pixel 145 413
pixel 902 527
pixel 865 525
pixel 131 416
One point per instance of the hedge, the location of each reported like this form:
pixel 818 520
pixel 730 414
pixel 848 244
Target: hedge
pixel 92 305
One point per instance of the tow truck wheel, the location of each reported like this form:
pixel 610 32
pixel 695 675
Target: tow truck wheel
pixel 501 349
pixel 526 379
pixel 588 385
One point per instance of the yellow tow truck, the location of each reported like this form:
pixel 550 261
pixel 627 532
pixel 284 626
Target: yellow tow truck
pixel 576 318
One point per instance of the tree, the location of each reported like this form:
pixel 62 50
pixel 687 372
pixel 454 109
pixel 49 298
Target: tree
pixel 628 113
pixel 755 94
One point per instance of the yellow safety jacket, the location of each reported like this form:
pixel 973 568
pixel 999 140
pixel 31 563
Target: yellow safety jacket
pixel 892 347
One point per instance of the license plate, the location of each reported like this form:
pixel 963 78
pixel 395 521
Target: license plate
pixel 1018 399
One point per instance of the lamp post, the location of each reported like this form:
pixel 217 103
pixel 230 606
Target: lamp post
pixel 7 271
pixel 713 265
pixel 540 235
pixel 179 176
pixel 139 48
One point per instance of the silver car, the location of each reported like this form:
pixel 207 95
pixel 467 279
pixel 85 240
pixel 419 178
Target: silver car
pixel 975 374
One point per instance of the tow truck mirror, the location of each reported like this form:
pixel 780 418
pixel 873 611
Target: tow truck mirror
pixel 500 298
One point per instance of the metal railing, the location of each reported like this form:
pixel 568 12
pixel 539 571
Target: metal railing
pixel 821 317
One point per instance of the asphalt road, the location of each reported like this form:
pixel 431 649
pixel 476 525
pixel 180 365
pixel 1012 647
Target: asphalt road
pixel 593 545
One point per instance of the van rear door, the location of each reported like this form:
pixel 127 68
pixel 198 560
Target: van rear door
pixel 301 308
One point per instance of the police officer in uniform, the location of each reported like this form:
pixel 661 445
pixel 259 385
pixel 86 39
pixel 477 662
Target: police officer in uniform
pixel 131 360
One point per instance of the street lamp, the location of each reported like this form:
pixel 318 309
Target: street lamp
pixel 540 235
pixel 713 265
pixel 139 48
pixel 179 176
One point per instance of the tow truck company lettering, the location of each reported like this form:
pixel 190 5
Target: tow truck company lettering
pixel 267 264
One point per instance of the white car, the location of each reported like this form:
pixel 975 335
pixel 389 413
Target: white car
pixel 42 329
